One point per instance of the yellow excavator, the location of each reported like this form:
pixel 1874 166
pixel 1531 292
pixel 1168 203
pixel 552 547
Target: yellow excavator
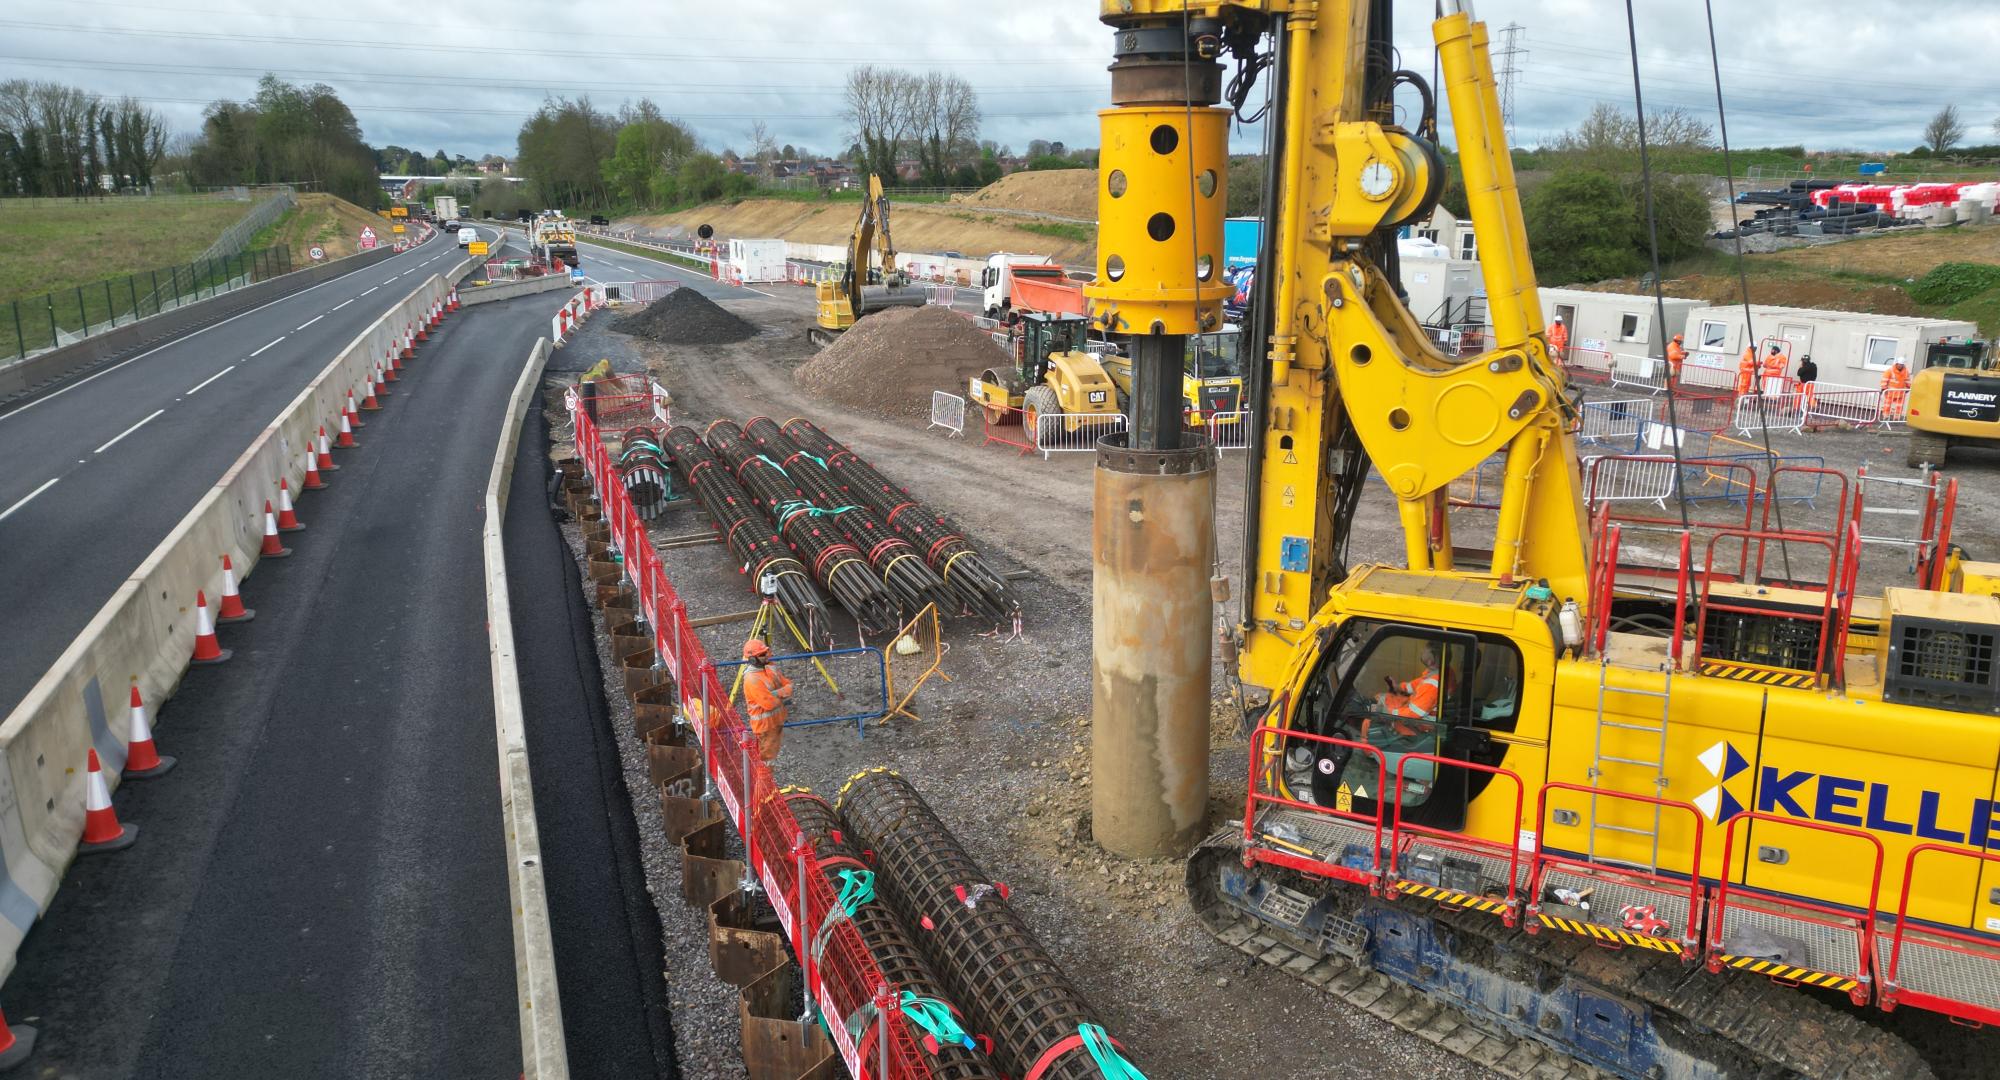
pixel 857 287
pixel 1953 401
pixel 1738 840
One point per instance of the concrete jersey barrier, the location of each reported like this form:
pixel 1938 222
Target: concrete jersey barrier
pixel 145 633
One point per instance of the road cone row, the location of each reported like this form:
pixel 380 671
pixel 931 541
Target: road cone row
pixel 452 303
pixel 409 343
pixel 424 327
pixel 288 518
pixel 388 366
pixel 313 482
pixel 325 454
pixel 368 402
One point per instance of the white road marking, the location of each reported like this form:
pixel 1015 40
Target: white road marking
pixel 408 272
pixel 346 302
pixel 307 323
pixel 260 352
pixel 210 379
pixel 128 431
pixel 391 281
pixel 24 499
pixel 371 288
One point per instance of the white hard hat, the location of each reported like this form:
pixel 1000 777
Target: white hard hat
pixel 1559 318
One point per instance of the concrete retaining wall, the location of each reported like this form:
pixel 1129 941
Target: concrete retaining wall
pixel 24 375
pixel 508 290
pixel 145 634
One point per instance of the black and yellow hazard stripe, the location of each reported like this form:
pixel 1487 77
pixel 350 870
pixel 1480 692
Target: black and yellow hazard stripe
pixel 1609 933
pixel 1487 904
pixel 1800 680
pixel 1775 970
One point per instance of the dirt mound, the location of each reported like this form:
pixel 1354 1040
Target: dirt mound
pixel 686 317
pixel 1070 193
pixel 889 362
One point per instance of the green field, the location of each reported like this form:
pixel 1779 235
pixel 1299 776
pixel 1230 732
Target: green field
pixel 57 244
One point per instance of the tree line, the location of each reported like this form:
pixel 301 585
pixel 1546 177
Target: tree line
pixel 286 133
pixel 59 141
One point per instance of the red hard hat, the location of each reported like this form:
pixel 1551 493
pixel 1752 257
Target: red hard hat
pixel 755 648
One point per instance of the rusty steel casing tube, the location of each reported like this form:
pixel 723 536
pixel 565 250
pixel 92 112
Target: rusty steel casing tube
pixel 1152 553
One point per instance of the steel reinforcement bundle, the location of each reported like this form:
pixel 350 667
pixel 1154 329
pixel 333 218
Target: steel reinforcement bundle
pixel 982 590
pixel 956 1054
pixel 757 547
pixel 979 947
pixel 902 568
pixel 838 565
pixel 643 470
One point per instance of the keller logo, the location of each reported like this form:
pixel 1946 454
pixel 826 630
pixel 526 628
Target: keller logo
pixel 1724 764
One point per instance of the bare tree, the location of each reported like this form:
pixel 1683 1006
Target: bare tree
pixel 1944 130
pixel 946 118
pixel 876 106
pixel 764 149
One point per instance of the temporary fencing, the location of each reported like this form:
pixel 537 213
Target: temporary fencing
pixel 1851 406
pixel 1616 423
pixel 645 292
pixel 1057 433
pixel 948 412
pixel 1770 412
pixel 859 1004
pixel 1228 430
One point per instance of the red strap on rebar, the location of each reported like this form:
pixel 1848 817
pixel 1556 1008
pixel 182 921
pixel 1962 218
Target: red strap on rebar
pixel 876 552
pixel 938 548
pixel 900 507
pixel 819 564
pixel 1057 1050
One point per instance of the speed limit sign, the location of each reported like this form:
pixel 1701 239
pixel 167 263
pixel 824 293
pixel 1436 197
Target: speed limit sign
pixel 317 252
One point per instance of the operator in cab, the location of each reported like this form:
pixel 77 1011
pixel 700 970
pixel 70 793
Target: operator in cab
pixel 1413 704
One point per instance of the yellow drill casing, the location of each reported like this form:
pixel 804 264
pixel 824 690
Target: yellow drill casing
pixel 1160 203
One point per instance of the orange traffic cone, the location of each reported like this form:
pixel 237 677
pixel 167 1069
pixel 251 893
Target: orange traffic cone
pixel 273 548
pixel 142 758
pixel 206 649
pixel 388 366
pixel 17 1041
pixel 424 327
pixel 354 413
pixel 231 609
pixel 101 831
pixel 346 433
pixel 368 402
pixel 409 343
pixel 288 518
pixel 381 379
pixel 454 299
pixel 313 482
pixel 395 363
pixel 325 452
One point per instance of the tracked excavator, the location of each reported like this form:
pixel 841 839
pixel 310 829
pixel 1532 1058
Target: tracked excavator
pixel 859 287
pixel 1757 836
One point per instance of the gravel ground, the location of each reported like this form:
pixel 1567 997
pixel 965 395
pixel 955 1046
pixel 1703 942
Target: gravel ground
pixel 1001 750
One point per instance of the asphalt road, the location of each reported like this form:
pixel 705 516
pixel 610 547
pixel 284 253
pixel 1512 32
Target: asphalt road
pixel 319 889
pixel 601 263
pixel 95 473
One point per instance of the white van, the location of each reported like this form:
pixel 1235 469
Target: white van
pixel 467 236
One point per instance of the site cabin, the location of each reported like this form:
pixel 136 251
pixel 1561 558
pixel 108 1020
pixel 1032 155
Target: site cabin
pixel 1850 348
pixel 1606 326
pixel 1446 293
pixel 756 260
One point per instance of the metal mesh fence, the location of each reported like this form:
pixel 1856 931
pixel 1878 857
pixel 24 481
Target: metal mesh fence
pixel 37 323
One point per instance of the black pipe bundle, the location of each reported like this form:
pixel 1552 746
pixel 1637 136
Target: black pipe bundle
pixel 977 944
pixel 902 568
pixel 889 944
pixel 982 590
pixel 757 547
pixel 836 564
pixel 642 469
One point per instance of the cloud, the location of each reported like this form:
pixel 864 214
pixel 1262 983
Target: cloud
pixel 1823 73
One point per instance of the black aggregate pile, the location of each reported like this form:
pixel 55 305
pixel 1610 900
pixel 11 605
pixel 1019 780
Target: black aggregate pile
pixel 686 317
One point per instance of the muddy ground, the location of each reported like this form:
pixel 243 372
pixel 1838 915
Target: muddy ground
pixel 1001 750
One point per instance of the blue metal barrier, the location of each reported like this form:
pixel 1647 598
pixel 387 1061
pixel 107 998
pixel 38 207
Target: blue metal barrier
pixel 724 672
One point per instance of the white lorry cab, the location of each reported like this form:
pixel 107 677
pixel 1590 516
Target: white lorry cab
pixel 996 282
pixel 468 236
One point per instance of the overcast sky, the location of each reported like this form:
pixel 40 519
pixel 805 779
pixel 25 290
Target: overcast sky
pixel 1831 74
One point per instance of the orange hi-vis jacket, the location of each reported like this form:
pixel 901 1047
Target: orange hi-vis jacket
pixel 1416 699
pixel 1558 338
pixel 1746 370
pixel 1774 366
pixel 1676 356
pixel 766 690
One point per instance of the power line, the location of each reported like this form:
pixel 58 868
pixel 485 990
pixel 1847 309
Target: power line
pixel 1510 52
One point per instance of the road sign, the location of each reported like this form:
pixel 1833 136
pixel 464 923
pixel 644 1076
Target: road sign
pixel 398 230
pixel 384 213
pixel 368 241
pixel 399 211
pixel 477 247
pixel 316 252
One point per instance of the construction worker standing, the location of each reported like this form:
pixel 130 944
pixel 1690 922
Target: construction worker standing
pixel 1414 703
pixel 1746 371
pixel 1895 391
pixel 1558 336
pixel 1677 355
pixel 1808 375
pixel 1774 371
pixel 765 691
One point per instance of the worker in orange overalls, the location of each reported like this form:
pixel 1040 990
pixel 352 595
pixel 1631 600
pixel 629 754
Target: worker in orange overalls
pixel 1895 391
pixel 1558 337
pixel 765 691
pixel 1746 371
pixel 1413 704
pixel 1808 375
pixel 1677 355
pixel 1774 368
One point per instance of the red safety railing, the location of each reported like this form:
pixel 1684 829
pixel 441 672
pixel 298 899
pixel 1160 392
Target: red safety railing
pixel 1947 947
pixel 1833 920
pixel 1403 835
pixel 844 980
pixel 1653 881
pixel 1303 859
pixel 1831 603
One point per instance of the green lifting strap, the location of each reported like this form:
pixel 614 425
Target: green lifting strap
pixel 857 887
pixel 1109 1061
pixel 935 1018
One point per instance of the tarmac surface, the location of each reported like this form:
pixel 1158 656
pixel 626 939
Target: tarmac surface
pixel 319 888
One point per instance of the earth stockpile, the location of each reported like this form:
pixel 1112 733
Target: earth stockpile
pixel 686 317
pixel 889 362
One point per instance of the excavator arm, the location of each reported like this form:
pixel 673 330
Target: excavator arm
pixel 860 245
pixel 1350 379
